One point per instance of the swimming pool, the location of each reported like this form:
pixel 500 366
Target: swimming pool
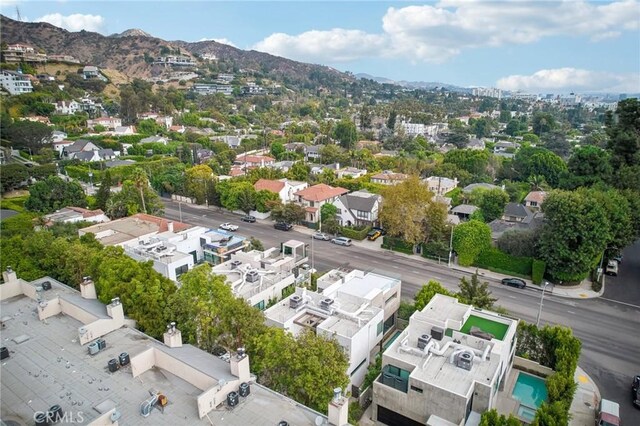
pixel 531 392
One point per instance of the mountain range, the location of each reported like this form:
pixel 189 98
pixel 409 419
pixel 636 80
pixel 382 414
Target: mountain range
pixel 415 84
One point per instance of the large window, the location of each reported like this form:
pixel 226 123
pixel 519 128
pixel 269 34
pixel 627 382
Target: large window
pixel 181 270
pixel 259 305
pixel 380 328
pixel 395 377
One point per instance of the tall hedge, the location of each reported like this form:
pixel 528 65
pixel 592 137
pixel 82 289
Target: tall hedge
pixel 537 272
pixel 355 234
pixel 396 244
pixel 469 240
pixel 499 261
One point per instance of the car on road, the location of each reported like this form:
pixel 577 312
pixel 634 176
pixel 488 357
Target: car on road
pixel 612 268
pixel 283 226
pixel 374 234
pixel 321 236
pixel 635 391
pixel 248 218
pixel 341 241
pixel 514 282
pixel 228 227
pixel 608 413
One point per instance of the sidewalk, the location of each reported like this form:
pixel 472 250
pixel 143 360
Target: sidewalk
pixel 585 400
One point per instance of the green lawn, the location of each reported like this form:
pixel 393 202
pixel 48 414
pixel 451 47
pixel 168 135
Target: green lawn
pixel 496 328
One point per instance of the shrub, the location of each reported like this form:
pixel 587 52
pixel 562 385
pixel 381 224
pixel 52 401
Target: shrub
pixel 497 261
pixel 469 240
pixel 355 412
pixel 436 249
pixel 355 233
pixel 397 244
pixel 406 310
pixel 537 272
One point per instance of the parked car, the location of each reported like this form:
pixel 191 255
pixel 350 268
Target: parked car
pixel 514 282
pixel 618 259
pixel 248 218
pixel 321 236
pixel 374 234
pixel 635 391
pixel 228 227
pixel 283 226
pixel 377 228
pixel 612 268
pixel 341 241
pixel 608 413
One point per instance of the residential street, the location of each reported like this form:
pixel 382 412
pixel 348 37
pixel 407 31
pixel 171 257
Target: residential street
pixel 608 327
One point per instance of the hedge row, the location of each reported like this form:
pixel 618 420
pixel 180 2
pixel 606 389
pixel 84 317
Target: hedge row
pixel 397 244
pixel 537 273
pixel 494 259
pixel 355 234
pixel 435 249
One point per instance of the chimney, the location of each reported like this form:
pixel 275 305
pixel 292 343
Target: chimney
pixel 170 226
pixel 240 365
pixel 9 275
pixel 115 310
pixel 88 288
pixel 172 337
pixel 338 409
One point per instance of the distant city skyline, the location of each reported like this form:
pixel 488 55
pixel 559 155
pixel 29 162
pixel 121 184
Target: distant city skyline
pixel 535 47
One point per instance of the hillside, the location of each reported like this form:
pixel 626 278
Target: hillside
pixel 126 52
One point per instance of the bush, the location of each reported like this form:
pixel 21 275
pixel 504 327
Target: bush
pixel 436 249
pixel 497 261
pixel 406 310
pixel 355 412
pixel 470 239
pixel 397 244
pixel 537 273
pixel 355 233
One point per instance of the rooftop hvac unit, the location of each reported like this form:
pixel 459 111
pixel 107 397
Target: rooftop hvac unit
pixel 326 303
pixel 124 359
pixel 244 390
pixel 464 360
pixel 4 353
pixel 232 399
pixel 46 285
pixel 113 365
pixel 235 264
pixel 295 301
pixel 437 333
pixel 101 344
pixel 252 277
pixel 93 348
pixel 423 341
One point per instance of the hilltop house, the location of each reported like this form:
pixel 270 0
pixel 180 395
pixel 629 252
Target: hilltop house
pixel 15 82
pixel 534 199
pixel 109 123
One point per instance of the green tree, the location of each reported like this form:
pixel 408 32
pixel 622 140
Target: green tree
pixel 129 201
pixel 289 213
pixel 104 192
pixel 475 293
pixel 536 161
pixel 513 127
pixel 471 160
pixel 469 239
pixel 277 150
pixel 391 121
pixel 265 200
pixel 587 166
pixel 619 217
pixel 543 122
pixel 53 194
pixel 26 134
pixel 328 218
pixel 575 234
pixel 554 414
pixel 345 132
pixel 255 244
pixel 459 138
pixel 493 418
pixel 492 203
pixel 623 130
pixel 198 179
pixel 426 293
pixel 13 176
pixel 299 171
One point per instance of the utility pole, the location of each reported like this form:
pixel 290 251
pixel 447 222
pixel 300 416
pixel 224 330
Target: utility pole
pixel 541 302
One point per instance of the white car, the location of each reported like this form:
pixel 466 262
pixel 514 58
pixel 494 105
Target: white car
pixel 612 268
pixel 320 236
pixel 228 227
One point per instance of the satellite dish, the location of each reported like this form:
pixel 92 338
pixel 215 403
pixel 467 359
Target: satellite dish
pixel 319 421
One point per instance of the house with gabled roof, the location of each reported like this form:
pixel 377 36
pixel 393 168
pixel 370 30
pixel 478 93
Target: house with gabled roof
pixel 515 212
pixel 81 145
pixel 358 208
pixel 534 199
pixel 389 178
pixel 314 197
pixel 285 188
pixel 253 161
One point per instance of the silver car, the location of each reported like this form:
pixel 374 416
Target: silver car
pixel 320 236
pixel 342 241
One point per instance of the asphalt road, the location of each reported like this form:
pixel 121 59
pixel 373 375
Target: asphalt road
pixel 626 286
pixel 609 328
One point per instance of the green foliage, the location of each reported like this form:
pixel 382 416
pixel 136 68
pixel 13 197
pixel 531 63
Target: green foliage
pixel 373 371
pixel 358 234
pixel 469 240
pixel 27 134
pixel 345 132
pixel 538 268
pixel 13 203
pixel 136 196
pixel 406 310
pixel 396 244
pixel 471 160
pixel 493 418
pixel 289 213
pixel 19 224
pixel 624 134
pixel 538 161
pixel 492 203
pixel 265 200
pixel 426 293
pixel 436 249
pixel 255 244
pixel 519 243
pixel 13 176
pixel 475 293
pixel 494 259
pixel 355 412
pixel 553 414
pixel 53 194
pixel 104 192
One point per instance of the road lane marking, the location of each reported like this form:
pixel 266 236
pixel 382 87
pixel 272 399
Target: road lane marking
pixel 617 301
pixel 571 312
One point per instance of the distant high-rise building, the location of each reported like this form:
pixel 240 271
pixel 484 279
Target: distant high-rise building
pixel 490 92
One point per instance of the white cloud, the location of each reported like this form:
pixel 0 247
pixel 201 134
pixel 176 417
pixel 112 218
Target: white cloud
pixel 436 33
pixel 75 22
pixel 219 40
pixel 571 79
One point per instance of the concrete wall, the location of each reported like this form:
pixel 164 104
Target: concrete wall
pixel 76 312
pixel 186 372
pixel 142 362
pixel 532 367
pixel 49 308
pixel 104 419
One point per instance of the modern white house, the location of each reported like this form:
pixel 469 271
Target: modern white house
pixel 109 123
pixel 446 366
pixel 285 188
pixel 263 277
pixel 358 208
pixel 15 83
pixel 74 215
pixel 440 185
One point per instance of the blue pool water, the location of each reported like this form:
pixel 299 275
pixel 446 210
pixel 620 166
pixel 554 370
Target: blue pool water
pixel 531 392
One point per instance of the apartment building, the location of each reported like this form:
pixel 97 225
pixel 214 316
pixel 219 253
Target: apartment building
pixel 446 366
pixel 15 83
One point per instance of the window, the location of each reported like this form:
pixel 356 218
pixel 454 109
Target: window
pixel 380 328
pixel 362 214
pixel 259 305
pixel 181 270
pixel 413 388
pixel 391 298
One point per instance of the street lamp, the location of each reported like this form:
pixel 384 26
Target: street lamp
pixel 546 283
pixel 450 245
pixel 91 182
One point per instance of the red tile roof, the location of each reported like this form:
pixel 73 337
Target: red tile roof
pixel 163 224
pixel 86 212
pixel 269 185
pixel 254 159
pixel 320 192
pixel 537 196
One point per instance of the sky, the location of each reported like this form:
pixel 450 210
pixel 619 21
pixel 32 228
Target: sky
pixel 531 46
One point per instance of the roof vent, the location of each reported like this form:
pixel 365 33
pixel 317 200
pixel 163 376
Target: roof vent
pixel 232 399
pixel 295 301
pixel 252 276
pixel 464 360
pixel 437 333
pixel 326 303
pixel 423 341
pixel 235 263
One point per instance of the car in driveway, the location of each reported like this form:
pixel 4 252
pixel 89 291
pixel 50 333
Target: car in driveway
pixel 514 282
pixel 283 226
pixel 248 218
pixel 228 227
pixel 321 236
pixel 612 268
pixel 341 241
pixel 374 234
pixel 635 391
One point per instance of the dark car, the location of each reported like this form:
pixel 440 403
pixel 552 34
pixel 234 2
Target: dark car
pixel 377 228
pixel 635 391
pixel 514 282
pixel 248 218
pixel 283 226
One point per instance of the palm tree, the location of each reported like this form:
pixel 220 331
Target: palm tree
pixel 141 182
pixel 537 182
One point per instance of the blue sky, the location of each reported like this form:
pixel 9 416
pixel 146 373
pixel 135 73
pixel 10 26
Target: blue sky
pixel 540 46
